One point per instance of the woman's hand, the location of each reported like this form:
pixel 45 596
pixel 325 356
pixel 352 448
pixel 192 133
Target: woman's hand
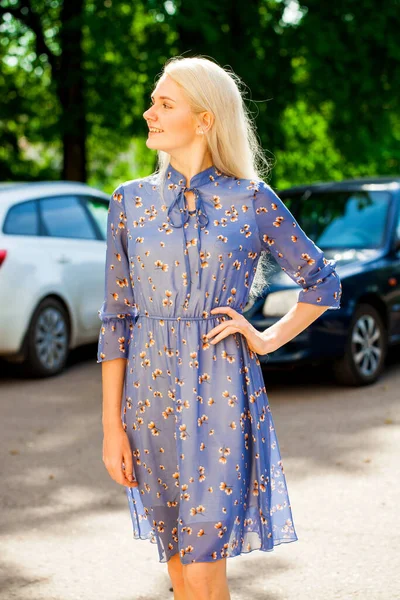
pixel 116 452
pixel 257 340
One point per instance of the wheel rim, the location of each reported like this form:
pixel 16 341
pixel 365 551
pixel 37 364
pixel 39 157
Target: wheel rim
pixel 367 345
pixel 51 338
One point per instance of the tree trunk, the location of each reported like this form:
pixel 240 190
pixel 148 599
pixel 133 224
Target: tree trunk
pixel 71 92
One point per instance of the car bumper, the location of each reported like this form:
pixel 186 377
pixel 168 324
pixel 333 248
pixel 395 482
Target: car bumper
pixel 12 331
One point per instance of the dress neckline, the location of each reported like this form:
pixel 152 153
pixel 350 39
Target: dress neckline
pixel 206 176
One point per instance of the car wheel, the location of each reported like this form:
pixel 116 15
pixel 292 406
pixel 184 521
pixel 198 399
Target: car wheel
pixel 47 340
pixel 366 348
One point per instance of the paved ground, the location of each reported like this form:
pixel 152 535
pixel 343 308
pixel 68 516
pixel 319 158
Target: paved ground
pixel 65 525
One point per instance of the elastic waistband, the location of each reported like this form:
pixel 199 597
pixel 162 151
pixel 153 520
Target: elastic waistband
pixel 213 316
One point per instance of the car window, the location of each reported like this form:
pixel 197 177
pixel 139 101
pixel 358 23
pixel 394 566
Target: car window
pixel 65 216
pixel 342 219
pixel 22 219
pixel 99 210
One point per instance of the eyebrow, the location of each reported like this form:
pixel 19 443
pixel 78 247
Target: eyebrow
pixel 163 98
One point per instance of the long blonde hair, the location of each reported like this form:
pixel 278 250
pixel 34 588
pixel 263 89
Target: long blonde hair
pixel 232 140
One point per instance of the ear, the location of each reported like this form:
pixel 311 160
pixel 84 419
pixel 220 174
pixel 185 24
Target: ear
pixel 206 120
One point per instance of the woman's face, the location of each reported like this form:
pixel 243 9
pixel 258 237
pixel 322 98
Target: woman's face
pixel 170 112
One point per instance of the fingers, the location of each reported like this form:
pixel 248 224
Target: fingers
pixel 117 458
pixel 234 325
pixel 130 484
pixel 231 312
pixel 224 333
pixel 117 474
pixel 122 479
pixel 219 328
pixel 227 327
pixel 128 464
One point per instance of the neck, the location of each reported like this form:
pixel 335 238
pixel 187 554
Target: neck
pixel 190 168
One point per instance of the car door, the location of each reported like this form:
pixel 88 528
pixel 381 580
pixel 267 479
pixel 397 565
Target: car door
pixel 97 209
pixel 76 252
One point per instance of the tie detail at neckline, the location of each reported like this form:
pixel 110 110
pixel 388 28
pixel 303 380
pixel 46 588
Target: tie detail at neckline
pixel 179 209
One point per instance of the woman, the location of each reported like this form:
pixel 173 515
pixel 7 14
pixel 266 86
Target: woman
pixel 194 441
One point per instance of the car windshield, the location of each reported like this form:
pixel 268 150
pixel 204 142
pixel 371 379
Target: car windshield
pixel 342 219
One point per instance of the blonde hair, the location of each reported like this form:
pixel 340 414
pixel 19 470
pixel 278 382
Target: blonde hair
pixel 232 140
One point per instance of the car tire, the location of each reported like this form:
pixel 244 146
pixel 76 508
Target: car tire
pixel 365 350
pixel 47 340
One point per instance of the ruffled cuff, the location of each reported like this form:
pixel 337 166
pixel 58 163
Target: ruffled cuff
pixel 325 293
pixel 115 337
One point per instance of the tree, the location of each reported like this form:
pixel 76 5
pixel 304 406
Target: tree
pixel 73 81
pixel 322 82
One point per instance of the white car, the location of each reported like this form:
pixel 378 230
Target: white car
pixel 52 256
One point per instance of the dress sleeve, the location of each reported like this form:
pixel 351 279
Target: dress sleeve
pixel 297 255
pixel 118 310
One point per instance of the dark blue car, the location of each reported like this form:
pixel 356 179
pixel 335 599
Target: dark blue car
pixel 357 223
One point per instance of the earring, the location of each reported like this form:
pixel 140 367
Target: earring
pixel 201 131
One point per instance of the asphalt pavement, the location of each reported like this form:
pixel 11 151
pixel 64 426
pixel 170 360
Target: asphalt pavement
pixel 65 529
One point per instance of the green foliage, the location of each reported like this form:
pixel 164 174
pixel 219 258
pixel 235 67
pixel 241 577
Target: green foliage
pixel 323 84
pixel 351 55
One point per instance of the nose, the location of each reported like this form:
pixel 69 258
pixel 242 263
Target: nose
pixel 147 114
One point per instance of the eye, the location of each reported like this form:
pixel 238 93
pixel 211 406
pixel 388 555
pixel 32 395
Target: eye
pixel 151 103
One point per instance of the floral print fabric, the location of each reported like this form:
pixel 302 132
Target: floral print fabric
pixel 206 457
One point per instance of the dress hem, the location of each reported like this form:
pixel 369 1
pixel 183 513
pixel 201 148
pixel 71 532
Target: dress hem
pixel 151 537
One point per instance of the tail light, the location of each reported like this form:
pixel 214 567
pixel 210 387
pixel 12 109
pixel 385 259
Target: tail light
pixel 3 254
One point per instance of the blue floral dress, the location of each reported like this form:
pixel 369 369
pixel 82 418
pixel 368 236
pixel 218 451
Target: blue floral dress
pixel 211 483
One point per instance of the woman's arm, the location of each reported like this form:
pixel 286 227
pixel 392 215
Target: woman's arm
pixel 118 311
pixel 294 322
pixel 300 258
pixel 297 255
pixel 303 262
pixel 117 314
pixel 113 374
pixel 298 318
pixel 116 446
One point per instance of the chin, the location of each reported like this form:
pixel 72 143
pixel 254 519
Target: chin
pixel 152 145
